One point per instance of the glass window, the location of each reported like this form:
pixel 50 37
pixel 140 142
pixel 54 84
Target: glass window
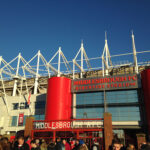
pixel 14 121
pixel 125 113
pixel 90 98
pixel 42 117
pixel 118 113
pixel 15 106
pixel 24 120
pixel 89 113
pixel 126 96
pixel 24 105
pixel 40 105
pixel 39 117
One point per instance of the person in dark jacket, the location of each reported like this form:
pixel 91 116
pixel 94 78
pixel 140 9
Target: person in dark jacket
pixel 59 145
pixel 34 146
pixel 51 146
pixel 21 145
pixel 77 145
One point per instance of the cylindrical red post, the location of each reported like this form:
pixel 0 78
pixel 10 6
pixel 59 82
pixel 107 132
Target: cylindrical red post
pixel 59 99
pixel 54 136
pixel 146 90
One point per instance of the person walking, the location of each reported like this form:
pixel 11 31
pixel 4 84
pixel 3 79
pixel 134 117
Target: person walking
pixel 83 146
pixel 43 146
pixel 51 145
pixel 59 145
pixel 34 145
pixel 66 144
pixel 21 144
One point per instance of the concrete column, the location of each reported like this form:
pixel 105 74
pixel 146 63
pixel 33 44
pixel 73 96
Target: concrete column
pixel 140 139
pixel 28 126
pixel 108 134
pixel 74 106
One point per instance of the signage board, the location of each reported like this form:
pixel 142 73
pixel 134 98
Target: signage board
pixel 129 81
pixel 53 125
pixel 20 119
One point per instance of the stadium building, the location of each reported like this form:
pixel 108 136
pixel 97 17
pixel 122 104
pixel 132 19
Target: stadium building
pixel 69 98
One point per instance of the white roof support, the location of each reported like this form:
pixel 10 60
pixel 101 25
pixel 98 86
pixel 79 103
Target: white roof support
pixel 37 72
pixel 34 70
pixel 29 68
pixel 106 58
pixel 15 76
pixel 59 51
pixel 15 82
pixel 81 66
pixel 5 97
pixel 6 68
pixel 47 65
pixel 65 61
pixel 134 55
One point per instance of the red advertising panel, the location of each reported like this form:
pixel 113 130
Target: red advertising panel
pixel 20 119
pixel 129 81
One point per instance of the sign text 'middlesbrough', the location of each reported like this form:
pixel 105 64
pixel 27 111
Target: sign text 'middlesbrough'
pixel 105 83
pixel 53 125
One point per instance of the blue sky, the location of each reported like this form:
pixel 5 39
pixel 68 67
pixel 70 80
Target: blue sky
pixel 29 25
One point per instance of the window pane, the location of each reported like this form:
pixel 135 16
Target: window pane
pixel 126 96
pixel 125 113
pixel 42 117
pixel 89 113
pixel 24 120
pixel 40 104
pixel 14 121
pixel 15 106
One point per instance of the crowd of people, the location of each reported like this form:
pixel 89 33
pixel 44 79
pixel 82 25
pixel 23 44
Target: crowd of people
pixel 40 144
pixel 20 143
pixel 117 144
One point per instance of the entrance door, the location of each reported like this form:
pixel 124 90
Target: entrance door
pixel 92 138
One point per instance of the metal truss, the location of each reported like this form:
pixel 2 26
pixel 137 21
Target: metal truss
pixel 18 73
pixel 83 57
pixel 106 58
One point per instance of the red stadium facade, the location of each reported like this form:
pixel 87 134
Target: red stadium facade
pixel 146 91
pixel 63 120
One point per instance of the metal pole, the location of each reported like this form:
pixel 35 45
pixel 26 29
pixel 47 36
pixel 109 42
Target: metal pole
pixel 37 71
pixel 106 50
pixel 58 75
pixel 134 54
pixel 16 80
pixel 103 69
pixel 81 59
pixel 73 69
pixel 105 101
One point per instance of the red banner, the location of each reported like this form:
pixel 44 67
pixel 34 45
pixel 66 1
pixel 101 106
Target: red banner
pixel 29 97
pixel 20 119
pixel 129 81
